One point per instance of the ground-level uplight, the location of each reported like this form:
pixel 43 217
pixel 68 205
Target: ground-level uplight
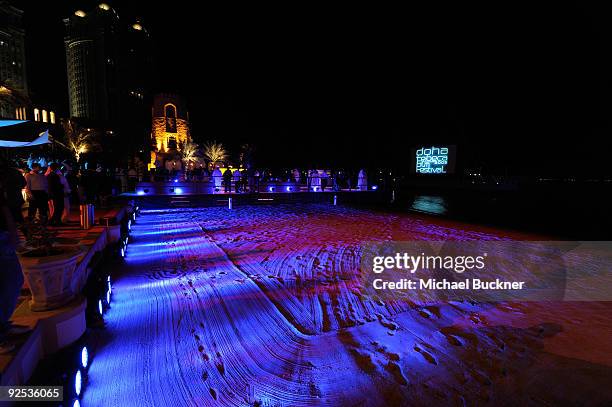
pixel 84 357
pixel 78 382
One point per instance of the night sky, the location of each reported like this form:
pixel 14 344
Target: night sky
pixel 520 88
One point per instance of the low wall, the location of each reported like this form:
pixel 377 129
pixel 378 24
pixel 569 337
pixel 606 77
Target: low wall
pixel 202 188
pixel 55 329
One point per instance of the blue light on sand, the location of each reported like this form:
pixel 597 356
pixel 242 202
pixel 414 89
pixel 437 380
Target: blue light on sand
pixel 178 190
pixel 140 193
pixel 430 204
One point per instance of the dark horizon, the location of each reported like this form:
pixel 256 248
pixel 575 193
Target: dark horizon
pixel 524 90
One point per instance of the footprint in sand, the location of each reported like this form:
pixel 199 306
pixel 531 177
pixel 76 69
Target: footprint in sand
pixel 396 372
pixel 428 357
pixel 213 393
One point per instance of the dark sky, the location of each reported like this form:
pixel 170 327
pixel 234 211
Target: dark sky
pixel 519 87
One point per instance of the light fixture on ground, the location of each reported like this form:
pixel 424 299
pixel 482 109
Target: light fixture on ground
pixel 84 357
pixel 78 382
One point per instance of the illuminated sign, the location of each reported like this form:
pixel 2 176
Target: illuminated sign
pixel 432 160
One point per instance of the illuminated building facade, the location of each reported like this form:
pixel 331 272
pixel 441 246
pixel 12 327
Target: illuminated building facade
pixel 12 60
pixel 92 60
pixel 109 64
pixel 170 126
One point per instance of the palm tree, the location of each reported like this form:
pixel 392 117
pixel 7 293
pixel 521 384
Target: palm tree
pixel 189 151
pixel 78 141
pixel 214 152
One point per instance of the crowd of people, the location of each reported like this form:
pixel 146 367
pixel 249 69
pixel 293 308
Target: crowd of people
pixel 250 179
pixel 48 189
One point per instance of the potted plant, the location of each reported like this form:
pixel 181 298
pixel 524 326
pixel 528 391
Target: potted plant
pixel 47 268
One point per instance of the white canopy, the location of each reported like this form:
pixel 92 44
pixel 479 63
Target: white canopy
pixel 43 138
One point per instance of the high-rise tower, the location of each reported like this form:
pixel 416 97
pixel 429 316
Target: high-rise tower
pixel 92 62
pixel 12 58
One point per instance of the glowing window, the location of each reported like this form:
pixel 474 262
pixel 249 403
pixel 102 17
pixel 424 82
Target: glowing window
pixel 80 13
pixel 52 117
pixel 36 114
pixel 45 117
pixel 104 6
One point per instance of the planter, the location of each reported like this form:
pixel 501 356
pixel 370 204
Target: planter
pixel 50 278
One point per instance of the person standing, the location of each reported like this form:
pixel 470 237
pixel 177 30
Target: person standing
pixel 37 193
pixel 11 277
pixel 362 180
pixel 237 180
pixel 296 175
pixel 217 177
pixel 56 194
pixel 324 177
pixel 244 180
pixel 50 201
pixel 14 183
pixel 227 180
pixel 67 192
